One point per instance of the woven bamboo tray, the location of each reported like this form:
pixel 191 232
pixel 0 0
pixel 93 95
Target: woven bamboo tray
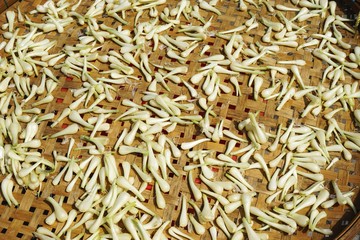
pixel 21 222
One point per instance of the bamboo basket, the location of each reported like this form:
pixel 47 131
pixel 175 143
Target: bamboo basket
pixel 21 222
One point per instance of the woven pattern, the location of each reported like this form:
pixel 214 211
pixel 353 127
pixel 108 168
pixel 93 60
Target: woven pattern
pixel 21 222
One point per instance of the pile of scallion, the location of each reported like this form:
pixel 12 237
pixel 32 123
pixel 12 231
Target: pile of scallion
pixel 114 203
